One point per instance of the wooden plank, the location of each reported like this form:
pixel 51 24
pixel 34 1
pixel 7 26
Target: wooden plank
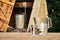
pixel 28 36
pixel 7 2
pixel 5 13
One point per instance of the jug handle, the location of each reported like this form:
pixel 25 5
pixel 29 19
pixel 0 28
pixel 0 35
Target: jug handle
pixel 49 22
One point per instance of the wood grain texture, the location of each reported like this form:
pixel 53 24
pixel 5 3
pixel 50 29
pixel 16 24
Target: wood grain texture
pixel 9 2
pixel 6 7
pixel 28 36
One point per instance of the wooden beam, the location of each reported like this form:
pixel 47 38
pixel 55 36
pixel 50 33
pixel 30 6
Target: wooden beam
pixel 7 2
pixel 23 4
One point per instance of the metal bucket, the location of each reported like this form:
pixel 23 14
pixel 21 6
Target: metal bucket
pixel 19 21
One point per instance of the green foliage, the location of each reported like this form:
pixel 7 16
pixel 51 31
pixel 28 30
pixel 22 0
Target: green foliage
pixel 54 14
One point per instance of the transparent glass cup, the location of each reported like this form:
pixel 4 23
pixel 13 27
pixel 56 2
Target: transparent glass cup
pixel 41 26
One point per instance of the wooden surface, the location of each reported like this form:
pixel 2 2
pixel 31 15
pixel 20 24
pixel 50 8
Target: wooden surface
pixel 8 2
pixel 6 7
pixel 28 36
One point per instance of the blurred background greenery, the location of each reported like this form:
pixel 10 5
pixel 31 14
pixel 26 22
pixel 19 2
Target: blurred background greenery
pixel 54 14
